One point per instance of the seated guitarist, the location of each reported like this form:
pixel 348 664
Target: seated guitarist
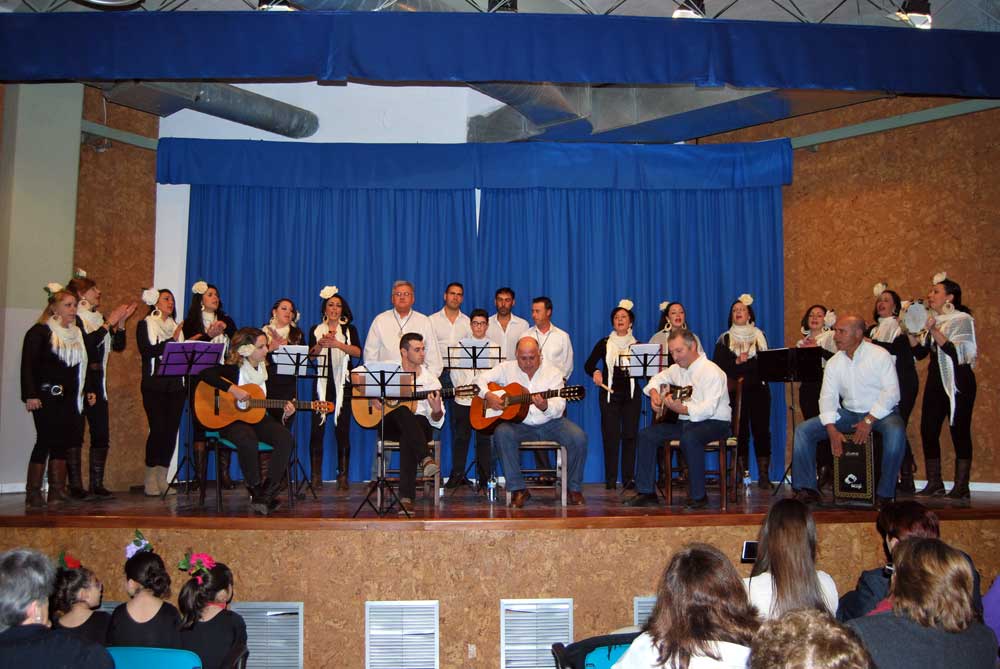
pixel 246 363
pixel 703 418
pixel 544 422
pixel 412 429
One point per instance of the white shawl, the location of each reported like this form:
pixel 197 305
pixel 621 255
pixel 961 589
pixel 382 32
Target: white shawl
pixel 67 345
pixel 336 368
pixel 616 346
pixel 92 321
pixel 957 327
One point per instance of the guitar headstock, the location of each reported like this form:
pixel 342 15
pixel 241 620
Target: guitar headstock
pixel 467 391
pixel 322 407
pixel 573 393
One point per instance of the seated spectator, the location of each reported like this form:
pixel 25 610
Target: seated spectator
pixel 807 639
pixel 895 522
pixel 991 607
pixel 77 593
pixel 208 627
pixel 932 623
pixel 784 577
pixel 701 620
pixel 145 620
pixel 26 581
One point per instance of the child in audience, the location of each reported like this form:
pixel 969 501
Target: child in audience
pixel 77 593
pixel 807 639
pixel 208 628
pixel 145 620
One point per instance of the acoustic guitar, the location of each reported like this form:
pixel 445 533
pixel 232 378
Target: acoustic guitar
pixel 516 404
pixel 366 415
pixel 215 408
pixel 677 393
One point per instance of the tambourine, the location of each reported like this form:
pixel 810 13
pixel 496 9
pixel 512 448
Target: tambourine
pixel 913 317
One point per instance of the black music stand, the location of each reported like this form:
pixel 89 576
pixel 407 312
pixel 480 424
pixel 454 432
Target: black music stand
pixel 476 355
pixel 187 359
pixel 384 382
pixel 294 360
pixel 790 365
pixel 643 361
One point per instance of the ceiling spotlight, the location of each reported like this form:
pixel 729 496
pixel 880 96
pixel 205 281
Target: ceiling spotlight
pixel 690 9
pixel 917 13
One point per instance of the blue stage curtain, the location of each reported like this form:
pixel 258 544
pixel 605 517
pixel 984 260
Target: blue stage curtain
pixel 261 244
pixel 587 249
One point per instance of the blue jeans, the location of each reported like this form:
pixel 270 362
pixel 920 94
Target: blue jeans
pixel 812 431
pixel 508 437
pixel 693 437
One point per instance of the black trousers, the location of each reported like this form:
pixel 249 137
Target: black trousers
pixel 461 433
pixel 937 410
pixel 619 425
pixel 246 436
pixel 58 427
pixel 412 432
pixel 342 429
pixel 163 412
pixel 755 418
pixel 99 422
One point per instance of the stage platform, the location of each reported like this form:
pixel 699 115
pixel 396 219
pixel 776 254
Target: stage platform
pixel 461 552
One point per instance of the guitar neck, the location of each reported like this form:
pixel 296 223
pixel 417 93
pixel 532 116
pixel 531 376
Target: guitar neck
pixel 524 399
pixel 278 404
pixel 446 393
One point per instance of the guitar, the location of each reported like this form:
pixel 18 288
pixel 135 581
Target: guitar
pixel 677 393
pixel 216 408
pixel 516 404
pixel 367 415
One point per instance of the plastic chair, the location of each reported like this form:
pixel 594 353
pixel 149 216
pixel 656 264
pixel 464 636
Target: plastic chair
pixel 213 440
pixel 137 657
pixel 596 652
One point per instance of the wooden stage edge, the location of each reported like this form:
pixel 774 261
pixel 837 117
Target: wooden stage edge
pixel 462 512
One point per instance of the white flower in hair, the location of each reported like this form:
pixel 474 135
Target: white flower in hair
pixel 939 277
pixel 904 305
pixel 328 292
pixel 150 296
pixel 80 273
pixel 246 350
pixel 746 298
pixel 626 304
pixel 199 287
pixel 831 318
pixel 664 304
pixel 53 288
pixel 879 288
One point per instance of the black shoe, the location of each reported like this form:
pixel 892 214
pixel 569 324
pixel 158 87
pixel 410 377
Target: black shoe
pixel 610 485
pixel 882 501
pixel 101 493
pixel 260 502
pixel 700 503
pixel 643 499
pixel 455 481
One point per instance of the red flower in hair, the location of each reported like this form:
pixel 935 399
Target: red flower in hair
pixel 67 561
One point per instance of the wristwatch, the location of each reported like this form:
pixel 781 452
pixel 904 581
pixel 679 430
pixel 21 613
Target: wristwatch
pixel 869 420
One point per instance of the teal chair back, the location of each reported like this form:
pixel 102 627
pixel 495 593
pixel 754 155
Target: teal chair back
pixel 135 657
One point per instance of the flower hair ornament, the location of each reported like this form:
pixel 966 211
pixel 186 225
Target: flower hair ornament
pixel 246 350
pixel 328 292
pixel 664 304
pixel 197 565
pixel 150 296
pixel 879 288
pixel 79 273
pixel 199 287
pixel 939 277
pixel 746 299
pixel 52 288
pixel 625 304
pixel 830 319
pixel 138 544
pixel 67 561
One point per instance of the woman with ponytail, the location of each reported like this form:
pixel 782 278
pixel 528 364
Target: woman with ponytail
pixel 208 627
pixel 145 620
pixel 73 602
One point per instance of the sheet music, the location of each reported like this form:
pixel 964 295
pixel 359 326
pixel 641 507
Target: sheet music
pixel 291 359
pixel 487 354
pixel 397 382
pixel 638 355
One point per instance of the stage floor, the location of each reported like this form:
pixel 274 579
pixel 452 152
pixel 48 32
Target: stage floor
pixel 461 510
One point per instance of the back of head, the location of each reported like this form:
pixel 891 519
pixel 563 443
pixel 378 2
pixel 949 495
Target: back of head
pixel 907 518
pixel 201 589
pixel 146 568
pixel 700 599
pixel 26 576
pixel 932 584
pixel 807 639
pixel 68 583
pixel 787 551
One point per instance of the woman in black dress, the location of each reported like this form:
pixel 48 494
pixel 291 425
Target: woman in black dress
pixel 817 324
pixel 208 627
pixel 146 619
pixel 336 339
pixel 282 329
pixel 53 370
pixel 73 604
pixel 619 408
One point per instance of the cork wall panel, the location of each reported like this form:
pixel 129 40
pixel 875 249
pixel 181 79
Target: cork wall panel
pixel 115 234
pixel 334 572
pixel 898 206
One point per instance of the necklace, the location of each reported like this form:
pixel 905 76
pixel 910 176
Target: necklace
pixel 402 324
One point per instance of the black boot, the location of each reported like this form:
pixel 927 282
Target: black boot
pixel 763 473
pixel 74 470
pixel 934 487
pixel 906 486
pixel 260 503
pixel 98 460
pixel 963 469
pixel 33 498
pixel 316 468
pixel 225 455
pixel 343 467
pixel 57 484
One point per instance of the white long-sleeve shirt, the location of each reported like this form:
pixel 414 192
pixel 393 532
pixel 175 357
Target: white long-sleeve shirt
pixel 866 383
pixel 448 333
pixel 709 389
pixel 507 339
pixel 547 377
pixel 382 343
pixel 465 377
pixel 556 347
pixel 425 381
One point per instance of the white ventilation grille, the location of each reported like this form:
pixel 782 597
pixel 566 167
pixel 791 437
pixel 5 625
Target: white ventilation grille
pixel 401 635
pixel 642 608
pixel 529 627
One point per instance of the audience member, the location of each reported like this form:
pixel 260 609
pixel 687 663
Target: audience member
pixel 784 577
pixel 807 639
pixel 208 627
pixel 932 623
pixel 145 620
pixel 26 581
pixel 76 596
pixel 702 618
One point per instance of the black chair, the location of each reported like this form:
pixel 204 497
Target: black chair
pixel 597 652
pixel 236 658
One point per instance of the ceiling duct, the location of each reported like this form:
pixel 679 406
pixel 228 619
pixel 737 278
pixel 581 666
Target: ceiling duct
pixel 386 5
pixel 163 98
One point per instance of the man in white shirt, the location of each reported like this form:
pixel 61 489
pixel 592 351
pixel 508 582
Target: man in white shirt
pixel 544 422
pixel 412 429
pixel 506 329
pixel 859 394
pixel 460 425
pixel 382 343
pixel 702 418
pixel 554 343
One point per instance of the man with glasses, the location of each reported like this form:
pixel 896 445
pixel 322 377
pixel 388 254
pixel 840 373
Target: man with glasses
pixel 382 342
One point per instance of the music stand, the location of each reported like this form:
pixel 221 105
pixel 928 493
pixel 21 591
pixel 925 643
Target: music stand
pixel 187 359
pixel 381 381
pixel 475 355
pixel 294 360
pixel 790 365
